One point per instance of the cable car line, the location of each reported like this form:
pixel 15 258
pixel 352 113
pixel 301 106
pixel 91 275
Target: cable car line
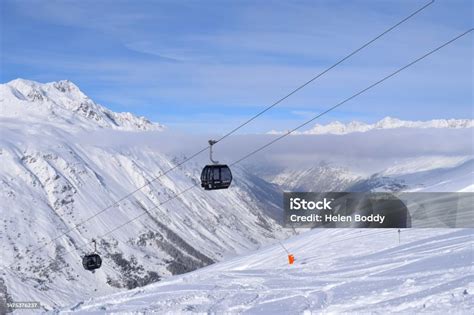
pixel 323 72
pixel 294 129
pixel 117 202
pixel 350 98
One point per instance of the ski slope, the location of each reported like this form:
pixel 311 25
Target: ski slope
pixel 336 271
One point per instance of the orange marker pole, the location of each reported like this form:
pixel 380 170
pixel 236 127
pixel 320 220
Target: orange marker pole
pixel 291 259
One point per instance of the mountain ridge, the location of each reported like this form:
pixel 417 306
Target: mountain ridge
pixel 339 128
pixel 63 102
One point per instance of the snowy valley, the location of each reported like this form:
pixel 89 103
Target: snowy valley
pixel 52 181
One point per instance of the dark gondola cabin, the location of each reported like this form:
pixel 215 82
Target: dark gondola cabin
pixel 91 262
pixel 216 176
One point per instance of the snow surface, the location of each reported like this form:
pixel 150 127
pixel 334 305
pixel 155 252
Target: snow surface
pixel 355 271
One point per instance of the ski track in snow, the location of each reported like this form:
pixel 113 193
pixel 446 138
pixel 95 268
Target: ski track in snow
pixel 360 271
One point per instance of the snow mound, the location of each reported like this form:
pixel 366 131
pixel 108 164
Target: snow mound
pixel 63 102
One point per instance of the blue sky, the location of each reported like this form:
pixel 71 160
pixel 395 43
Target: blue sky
pixel 208 65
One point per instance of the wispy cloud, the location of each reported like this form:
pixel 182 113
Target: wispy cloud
pixel 210 58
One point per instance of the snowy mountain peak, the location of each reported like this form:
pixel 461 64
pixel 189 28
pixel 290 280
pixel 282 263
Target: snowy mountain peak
pixel 340 128
pixel 389 120
pixel 62 102
pixel 66 86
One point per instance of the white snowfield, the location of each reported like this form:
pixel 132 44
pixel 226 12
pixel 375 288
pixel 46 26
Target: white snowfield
pixel 336 271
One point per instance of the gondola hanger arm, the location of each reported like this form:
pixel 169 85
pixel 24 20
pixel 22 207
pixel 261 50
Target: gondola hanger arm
pixel 211 143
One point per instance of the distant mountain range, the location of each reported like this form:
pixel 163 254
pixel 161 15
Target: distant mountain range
pixel 339 128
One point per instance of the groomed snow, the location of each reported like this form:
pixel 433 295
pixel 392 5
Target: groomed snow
pixel 336 271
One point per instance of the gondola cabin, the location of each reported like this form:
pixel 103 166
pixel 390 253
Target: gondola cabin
pixel 216 176
pixel 91 262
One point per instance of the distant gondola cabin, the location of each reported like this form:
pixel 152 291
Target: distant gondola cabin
pixel 91 262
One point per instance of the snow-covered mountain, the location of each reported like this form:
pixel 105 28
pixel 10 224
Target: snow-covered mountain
pixel 430 174
pixel 339 128
pixel 440 178
pixel 63 103
pixel 335 271
pixel 322 177
pixel 55 172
